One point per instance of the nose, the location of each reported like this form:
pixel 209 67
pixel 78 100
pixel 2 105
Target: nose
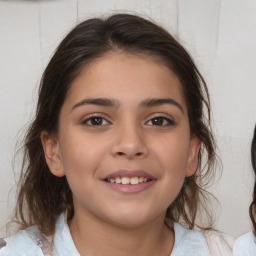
pixel 129 143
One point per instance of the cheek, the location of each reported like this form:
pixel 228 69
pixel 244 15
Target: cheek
pixel 172 156
pixel 81 153
pixel 81 157
pixel 172 153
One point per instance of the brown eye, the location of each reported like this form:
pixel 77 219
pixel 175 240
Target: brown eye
pixel 95 121
pixel 160 121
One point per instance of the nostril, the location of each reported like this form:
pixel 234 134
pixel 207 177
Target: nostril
pixel 138 154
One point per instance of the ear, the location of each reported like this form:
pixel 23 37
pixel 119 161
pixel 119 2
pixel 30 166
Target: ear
pixel 52 153
pixel 194 148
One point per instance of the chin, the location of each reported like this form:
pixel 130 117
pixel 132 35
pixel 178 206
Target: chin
pixel 131 218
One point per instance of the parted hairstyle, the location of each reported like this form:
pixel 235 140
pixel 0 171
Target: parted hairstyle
pixel 252 209
pixel 42 197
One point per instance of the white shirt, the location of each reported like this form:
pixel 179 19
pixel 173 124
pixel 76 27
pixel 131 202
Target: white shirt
pixel 30 242
pixel 245 245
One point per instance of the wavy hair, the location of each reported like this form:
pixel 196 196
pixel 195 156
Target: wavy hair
pixel 43 197
pixel 252 209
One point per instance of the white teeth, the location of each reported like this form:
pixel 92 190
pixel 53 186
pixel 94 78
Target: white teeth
pixel 118 180
pixel 126 180
pixel 134 180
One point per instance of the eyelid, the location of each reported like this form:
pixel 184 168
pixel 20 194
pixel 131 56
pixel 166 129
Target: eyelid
pixel 169 119
pixel 95 115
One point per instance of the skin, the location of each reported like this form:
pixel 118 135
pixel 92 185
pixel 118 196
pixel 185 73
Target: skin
pixel 129 135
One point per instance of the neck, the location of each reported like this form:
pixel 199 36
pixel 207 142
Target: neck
pixel 153 238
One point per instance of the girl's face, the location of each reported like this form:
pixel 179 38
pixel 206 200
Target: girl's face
pixel 124 141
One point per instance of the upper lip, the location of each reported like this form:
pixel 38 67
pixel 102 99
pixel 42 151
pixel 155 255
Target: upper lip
pixel 129 174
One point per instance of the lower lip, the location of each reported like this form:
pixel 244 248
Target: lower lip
pixel 130 189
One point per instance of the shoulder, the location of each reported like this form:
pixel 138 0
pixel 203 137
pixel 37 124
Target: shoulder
pixel 194 242
pixel 22 243
pixel 189 242
pixel 245 245
pixel 219 243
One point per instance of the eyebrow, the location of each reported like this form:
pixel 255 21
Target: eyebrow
pixel 157 102
pixel 114 103
pixel 97 101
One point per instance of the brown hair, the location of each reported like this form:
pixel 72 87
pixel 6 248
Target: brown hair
pixel 252 209
pixel 42 196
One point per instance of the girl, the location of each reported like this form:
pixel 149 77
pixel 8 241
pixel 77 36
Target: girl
pixel 113 158
pixel 246 244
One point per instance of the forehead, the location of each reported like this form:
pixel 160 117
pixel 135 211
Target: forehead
pixel 126 76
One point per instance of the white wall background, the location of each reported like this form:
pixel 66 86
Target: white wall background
pixel 221 35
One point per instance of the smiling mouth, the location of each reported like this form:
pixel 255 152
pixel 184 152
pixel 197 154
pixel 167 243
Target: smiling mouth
pixel 128 180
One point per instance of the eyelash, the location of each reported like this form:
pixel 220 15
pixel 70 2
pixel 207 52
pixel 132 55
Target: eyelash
pixel 100 121
pixel 165 121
